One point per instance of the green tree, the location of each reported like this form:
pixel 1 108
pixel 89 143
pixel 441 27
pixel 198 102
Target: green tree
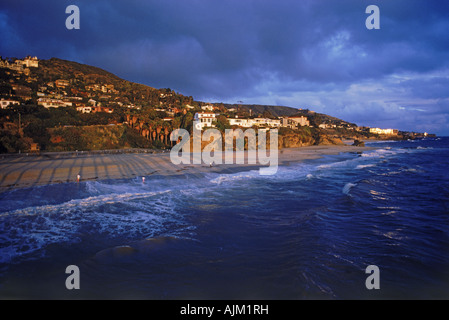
pixel 222 123
pixel 37 131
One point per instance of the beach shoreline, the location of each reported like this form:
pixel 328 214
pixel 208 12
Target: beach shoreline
pixel 29 171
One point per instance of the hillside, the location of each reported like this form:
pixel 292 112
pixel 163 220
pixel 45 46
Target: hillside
pixel 55 68
pixel 276 111
pixel 55 104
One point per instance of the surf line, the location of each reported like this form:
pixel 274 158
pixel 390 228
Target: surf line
pixel 256 147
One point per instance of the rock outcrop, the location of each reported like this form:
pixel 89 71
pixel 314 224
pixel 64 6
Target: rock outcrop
pixel 358 143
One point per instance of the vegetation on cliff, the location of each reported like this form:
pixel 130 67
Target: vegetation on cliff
pixel 97 110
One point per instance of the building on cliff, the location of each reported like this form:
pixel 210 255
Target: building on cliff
pixel 204 119
pixel 383 131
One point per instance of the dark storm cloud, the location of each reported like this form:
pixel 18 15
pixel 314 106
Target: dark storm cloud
pixel 290 51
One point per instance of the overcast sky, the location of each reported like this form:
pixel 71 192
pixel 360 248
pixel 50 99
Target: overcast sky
pixel 314 54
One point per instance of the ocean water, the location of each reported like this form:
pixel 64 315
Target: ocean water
pixel 308 232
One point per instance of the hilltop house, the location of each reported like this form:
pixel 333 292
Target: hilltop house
pixel 30 62
pixel 19 65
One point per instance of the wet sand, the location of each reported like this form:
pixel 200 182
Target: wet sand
pixel 27 171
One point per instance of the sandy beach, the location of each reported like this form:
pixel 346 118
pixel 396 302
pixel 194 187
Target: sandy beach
pixel 27 171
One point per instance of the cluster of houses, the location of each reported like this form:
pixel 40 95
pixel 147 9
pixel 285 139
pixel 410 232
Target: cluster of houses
pixel 384 131
pixel 91 107
pixel 55 94
pixel 207 119
pixel 49 99
pixel 20 66
pixel 61 93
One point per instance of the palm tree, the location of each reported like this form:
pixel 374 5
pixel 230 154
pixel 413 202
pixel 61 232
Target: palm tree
pixel 166 131
pixel 134 120
pixel 141 124
pixel 158 127
pixel 150 129
pixel 144 128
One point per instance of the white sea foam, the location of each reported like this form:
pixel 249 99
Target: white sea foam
pixel 335 164
pixel 347 188
pixel 228 178
pixel 284 173
pixel 362 166
pixel 423 148
pixel 380 141
pixel 378 153
pixel 127 214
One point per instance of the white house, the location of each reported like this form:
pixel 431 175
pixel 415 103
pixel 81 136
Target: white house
pixel 31 62
pixel 208 107
pixel 50 103
pixel 267 122
pixel 84 109
pixel 327 126
pixel 204 119
pixel 383 131
pixel 4 103
pixel 248 123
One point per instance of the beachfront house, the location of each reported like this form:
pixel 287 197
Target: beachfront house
pixel 383 131
pixel 300 121
pixel 204 119
pixel 260 122
pixel 246 123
